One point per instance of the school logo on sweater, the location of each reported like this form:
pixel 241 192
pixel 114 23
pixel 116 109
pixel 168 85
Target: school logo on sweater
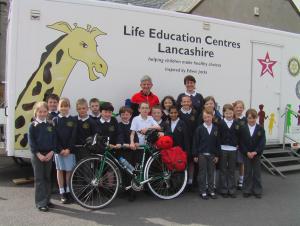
pixel 216 133
pixel 192 118
pixel 70 124
pixel 49 129
pixel 259 133
pixel 85 125
pixel 111 129
pixel 237 127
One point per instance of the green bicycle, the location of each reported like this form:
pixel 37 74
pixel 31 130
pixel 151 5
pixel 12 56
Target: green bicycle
pixel 96 179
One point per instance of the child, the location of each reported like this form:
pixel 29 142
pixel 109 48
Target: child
pixel 166 103
pixel 189 115
pixel 86 127
pixel 65 127
pixel 252 143
pixel 42 141
pixel 108 126
pixel 238 108
pixel 196 98
pixel 95 109
pixel 210 106
pixel 141 123
pixel 178 130
pixel 157 114
pixel 52 102
pixel 228 129
pixel 126 152
pixel 206 148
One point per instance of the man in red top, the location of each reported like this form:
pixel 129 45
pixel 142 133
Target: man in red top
pixel 145 95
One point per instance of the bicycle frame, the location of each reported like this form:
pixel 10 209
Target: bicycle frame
pixel 139 177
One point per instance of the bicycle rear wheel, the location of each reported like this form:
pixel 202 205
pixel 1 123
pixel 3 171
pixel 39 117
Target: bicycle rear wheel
pixel 90 191
pixel 163 183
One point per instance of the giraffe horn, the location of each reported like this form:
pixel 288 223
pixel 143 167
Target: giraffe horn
pixel 88 27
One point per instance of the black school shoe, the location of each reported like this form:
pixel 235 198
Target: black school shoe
pixel 63 198
pixel 43 209
pixel 213 195
pixel 224 195
pixel 204 196
pixel 131 196
pixel 239 185
pixel 232 196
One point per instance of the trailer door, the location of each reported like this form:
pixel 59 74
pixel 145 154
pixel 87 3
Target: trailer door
pixel 265 86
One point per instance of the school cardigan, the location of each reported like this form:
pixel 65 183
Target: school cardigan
pixel 256 142
pixel 85 129
pixel 197 101
pixel 229 136
pixel 65 128
pixel 191 122
pixel 125 133
pixel 205 142
pixel 42 137
pixel 110 129
pixel 180 135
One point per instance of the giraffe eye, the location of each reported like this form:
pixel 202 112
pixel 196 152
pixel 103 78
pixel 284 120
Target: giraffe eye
pixel 84 45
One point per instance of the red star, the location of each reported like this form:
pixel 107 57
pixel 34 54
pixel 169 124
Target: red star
pixel 267 65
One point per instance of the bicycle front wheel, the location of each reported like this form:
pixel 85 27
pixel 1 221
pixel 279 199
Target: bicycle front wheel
pixel 94 191
pixel 163 183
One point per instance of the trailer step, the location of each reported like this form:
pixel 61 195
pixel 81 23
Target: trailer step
pixel 276 151
pixel 283 159
pixel 287 168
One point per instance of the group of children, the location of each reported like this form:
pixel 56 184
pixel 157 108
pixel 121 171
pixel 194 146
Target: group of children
pixel 193 122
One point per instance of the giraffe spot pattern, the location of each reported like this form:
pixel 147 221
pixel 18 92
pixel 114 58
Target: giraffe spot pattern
pixel 37 89
pixel 20 122
pixel 16 137
pixel 47 93
pixel 47 76
pixel 59 55
pixel 24 140
pixel 28 107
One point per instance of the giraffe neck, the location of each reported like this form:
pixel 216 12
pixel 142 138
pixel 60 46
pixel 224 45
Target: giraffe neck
pixel 50 77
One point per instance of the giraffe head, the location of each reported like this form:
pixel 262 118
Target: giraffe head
pixel 81 45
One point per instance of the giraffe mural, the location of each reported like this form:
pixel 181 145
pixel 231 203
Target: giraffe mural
pixel 57 63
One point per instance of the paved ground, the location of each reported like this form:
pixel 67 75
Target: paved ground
pixel 279 206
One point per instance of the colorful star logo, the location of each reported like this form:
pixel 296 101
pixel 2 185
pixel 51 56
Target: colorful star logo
pixel 267 65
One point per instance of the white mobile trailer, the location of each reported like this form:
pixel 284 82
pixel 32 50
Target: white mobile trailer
pixel 63 46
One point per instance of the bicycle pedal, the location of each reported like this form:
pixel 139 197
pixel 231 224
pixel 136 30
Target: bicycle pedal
pixel 128 187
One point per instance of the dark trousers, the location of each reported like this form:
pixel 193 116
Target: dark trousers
pixel 252 179
pixel 227 172
pixel 42 177
pixel 206 173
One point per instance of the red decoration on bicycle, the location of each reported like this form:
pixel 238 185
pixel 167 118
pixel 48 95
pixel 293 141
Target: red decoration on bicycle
pixel 174 158
pixel 164 142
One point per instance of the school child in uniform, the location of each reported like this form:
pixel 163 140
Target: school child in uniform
pixel 157 114
pixel 52 102
pixel 42 142
pixel 252 143
pixel 166 103
pixel 108 126
pixel 189 115
pixel 141 123
pixel 65 128
pixel 210 106
pixel 228 129
pixel 126 152
pixel 178 130
pixel 196 98
pixel 206 149
pixel 238 108
pixel 95 109
pixel 85 127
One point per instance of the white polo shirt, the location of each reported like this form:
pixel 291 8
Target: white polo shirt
pixel 138 123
